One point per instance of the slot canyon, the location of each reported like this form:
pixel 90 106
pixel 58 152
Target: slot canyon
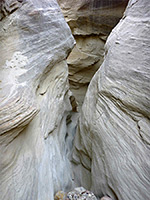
pixel 74 99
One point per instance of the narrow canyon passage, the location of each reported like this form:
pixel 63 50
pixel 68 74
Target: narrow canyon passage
pixel 111 148
pixel 74 99
pixel 91 22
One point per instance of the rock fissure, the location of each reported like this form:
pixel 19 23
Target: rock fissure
pixel 80 117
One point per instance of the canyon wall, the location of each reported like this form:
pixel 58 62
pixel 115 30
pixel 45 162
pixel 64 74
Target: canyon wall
pixel 91 21
pixel 38 112
pixel 112 145
pixel 34 100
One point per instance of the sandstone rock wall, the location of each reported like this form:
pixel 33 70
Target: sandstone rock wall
pixel 112 145
pixel 90 22
pixel 38 112
pixel 34 100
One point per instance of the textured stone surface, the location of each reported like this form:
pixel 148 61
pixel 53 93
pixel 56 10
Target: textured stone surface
pixel 80 193
pixel 60 195
pixel 91 22
pixel 88 17
pixel 83 62
pixel 112 145
pixel 34 100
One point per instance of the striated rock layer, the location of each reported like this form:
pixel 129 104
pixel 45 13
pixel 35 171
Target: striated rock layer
pixel 112 145
pixel 90 22
pixel 34 100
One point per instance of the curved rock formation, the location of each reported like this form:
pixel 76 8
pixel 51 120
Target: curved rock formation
pixel 88 17
pixel 38 112
pixel 34 100
pixel 112 145
pixel 91 21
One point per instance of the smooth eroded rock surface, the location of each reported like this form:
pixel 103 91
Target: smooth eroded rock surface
pixel 34 100
pixel 105 198
pixel 112 145
pixel 91 21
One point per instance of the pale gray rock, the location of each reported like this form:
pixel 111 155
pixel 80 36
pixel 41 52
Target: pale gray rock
pixel 9 6
pixel 105 198
pixel 34 100
pixel 112 145
pixel 90 22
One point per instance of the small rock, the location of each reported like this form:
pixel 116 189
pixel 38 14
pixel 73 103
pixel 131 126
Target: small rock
pixel 80 190
pixel 80 193
pixel 60 195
